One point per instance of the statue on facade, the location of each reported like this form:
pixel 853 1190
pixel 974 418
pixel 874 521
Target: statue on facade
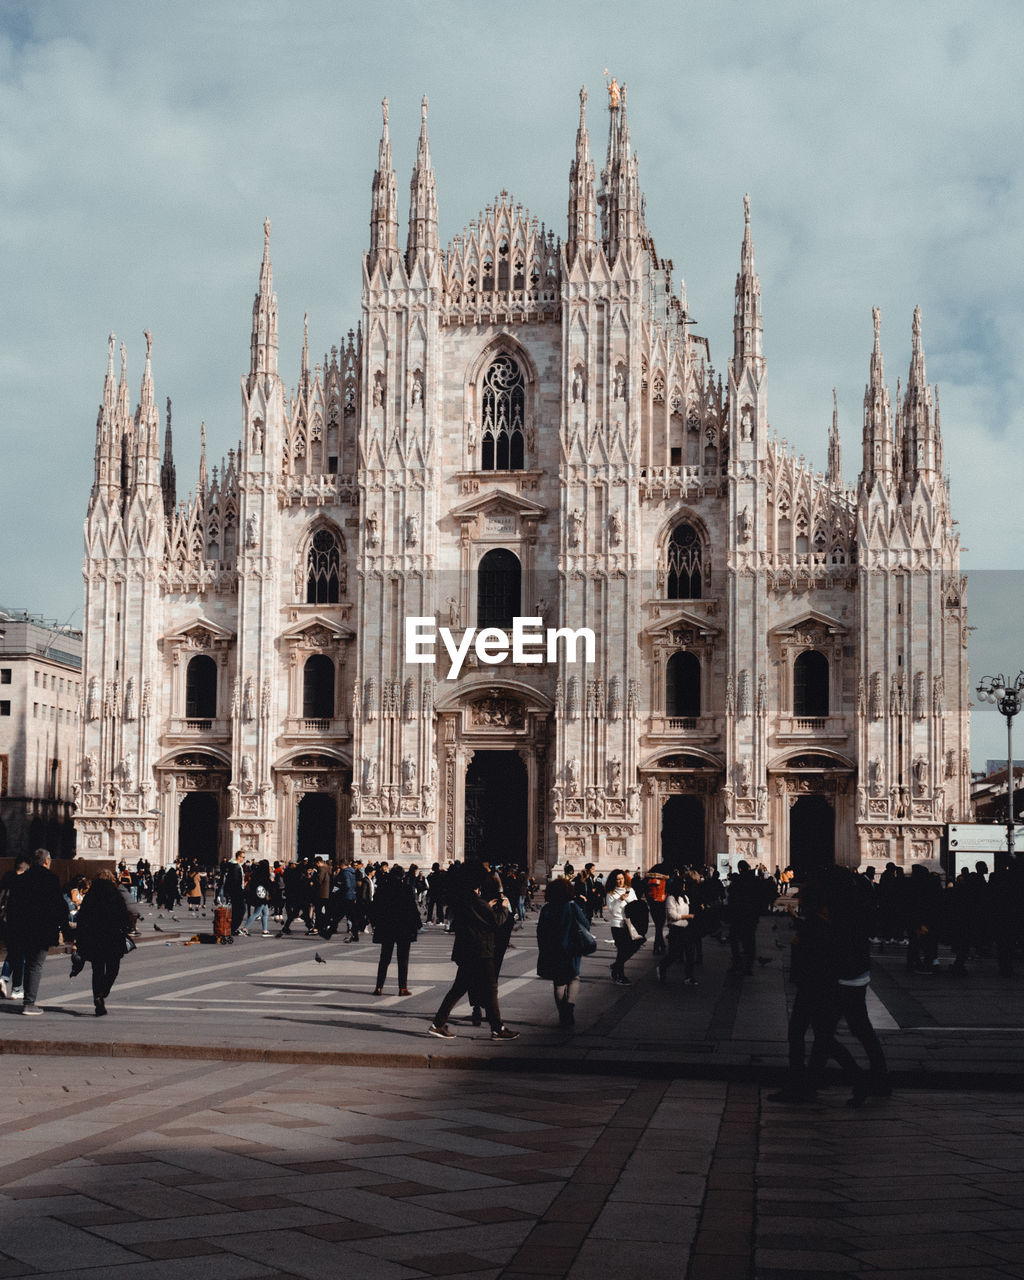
pixel 408 775
pixel 412 530
pixel 572 775
pixel 615 526
pixel 372 530
pixel 575 527
pixel 127 772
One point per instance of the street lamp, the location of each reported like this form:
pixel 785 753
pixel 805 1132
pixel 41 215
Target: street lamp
pixel 1009 698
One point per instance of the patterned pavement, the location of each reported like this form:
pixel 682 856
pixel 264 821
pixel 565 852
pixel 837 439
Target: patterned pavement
pixel 157 1170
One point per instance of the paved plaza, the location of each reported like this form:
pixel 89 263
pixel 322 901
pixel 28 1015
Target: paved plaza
pixel 248 1111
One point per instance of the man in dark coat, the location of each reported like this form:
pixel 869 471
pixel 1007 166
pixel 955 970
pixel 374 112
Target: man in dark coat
pixel 233 889
pixel 37 914
pixel 476 924
pixel 745 900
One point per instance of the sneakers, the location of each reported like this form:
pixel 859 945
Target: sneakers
pixel 5 987
pixel 30 1011
pixel 505 1033
pixel 442 1032
pixel 18 993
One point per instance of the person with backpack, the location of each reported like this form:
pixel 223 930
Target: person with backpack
pixel 257 897
pixel 560 926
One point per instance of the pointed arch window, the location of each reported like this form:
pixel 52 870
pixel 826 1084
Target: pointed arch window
pixel 201 689
pixel 503 408
pixel 499 588
pixel 810 684
pixel 685 564
pixel 323 569
pixel 318 688
pixel 682 685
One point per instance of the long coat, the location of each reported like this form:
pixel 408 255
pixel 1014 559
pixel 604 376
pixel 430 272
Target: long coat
pixel 103 922
pixel 37 910
pixel 393 912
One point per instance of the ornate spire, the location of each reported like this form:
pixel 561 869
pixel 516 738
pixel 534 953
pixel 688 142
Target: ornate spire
pixel 747 327
pixel 201 488
pixel 834 474
pixel 921 449
pixel 168 476
pixel 263 359
pixel 878 451
pixel 304 375
pixel 582 236
pixel 384 205
pixel 109 385
pixel 109 429
pixel 620 183
pixel 423 202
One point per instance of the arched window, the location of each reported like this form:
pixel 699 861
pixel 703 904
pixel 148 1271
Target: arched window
pixel 201 688
pixel 682 685
pixel 318 688
pixel 499 589
pixel 810 684
pixel 323 569
pixel 503 408
pixel 684 564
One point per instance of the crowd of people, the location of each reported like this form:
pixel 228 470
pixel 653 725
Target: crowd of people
pixel 837 916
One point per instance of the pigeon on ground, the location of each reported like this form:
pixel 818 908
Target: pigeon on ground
pixel 157 928
pixel 319 958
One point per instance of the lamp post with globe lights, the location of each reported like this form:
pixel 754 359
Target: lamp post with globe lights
pixel 1009 698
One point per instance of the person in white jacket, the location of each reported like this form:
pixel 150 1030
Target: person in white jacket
pixel 627 941
pixel 682 933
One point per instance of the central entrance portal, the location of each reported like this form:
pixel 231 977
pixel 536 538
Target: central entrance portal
pixel 812 835
pixel 198 828
pixel 682 831
pixel 496 814
pixel 317 826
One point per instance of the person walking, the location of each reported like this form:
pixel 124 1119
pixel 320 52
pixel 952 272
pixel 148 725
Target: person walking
pixel 12 980
pixel 682 933
pixel 37 915
pixel 257 897
pixel 102 927
pixel 396 924
pixel 618 898
pixel 232 891
pixel 476 924
pixel 560 919
pixel 744 903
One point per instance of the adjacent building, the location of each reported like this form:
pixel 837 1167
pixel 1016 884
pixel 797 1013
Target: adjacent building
pixel 524 426
pixel 40 696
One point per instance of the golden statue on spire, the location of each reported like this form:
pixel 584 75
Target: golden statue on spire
pixel 614 93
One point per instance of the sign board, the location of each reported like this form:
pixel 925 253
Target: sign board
pixel 982 837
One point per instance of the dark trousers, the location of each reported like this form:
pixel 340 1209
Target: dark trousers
pixel 682 945
pixel 851 1006
pixel 817 1009
pixel 743 944
pixel 237 913
pixel 104 974
pixel 33 962
pixel 302 910
pixel 387 949
pixel 658 920
pixel 626 946
pixel 434 904
pixel 476 976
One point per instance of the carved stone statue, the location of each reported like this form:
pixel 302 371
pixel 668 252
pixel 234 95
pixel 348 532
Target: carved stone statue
pixel 127 771
pixel 575 527
pixel 247 773
pixel 372 530
pixel 412 530
pixel 257 437
pixel 615 526
pixel 572 775
pixel 252 531
pixel 408 775
pixel 90 772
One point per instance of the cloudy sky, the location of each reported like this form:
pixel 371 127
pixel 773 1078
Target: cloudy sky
pixel 142 145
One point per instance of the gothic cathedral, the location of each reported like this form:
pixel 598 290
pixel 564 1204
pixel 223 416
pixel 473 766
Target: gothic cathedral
pixel 322 650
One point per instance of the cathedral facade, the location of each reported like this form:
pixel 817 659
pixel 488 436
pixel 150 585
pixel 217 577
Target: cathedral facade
pixel 323 650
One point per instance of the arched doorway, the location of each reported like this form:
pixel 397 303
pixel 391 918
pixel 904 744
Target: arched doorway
pixel 316 831
pixel 682 831
pixel 812 835
pixel 199 828
pixel 496 797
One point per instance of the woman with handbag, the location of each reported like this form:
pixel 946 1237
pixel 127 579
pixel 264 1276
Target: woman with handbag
pixel 682 933
pixel 102 929
pixel 563 938
pixel 627 940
